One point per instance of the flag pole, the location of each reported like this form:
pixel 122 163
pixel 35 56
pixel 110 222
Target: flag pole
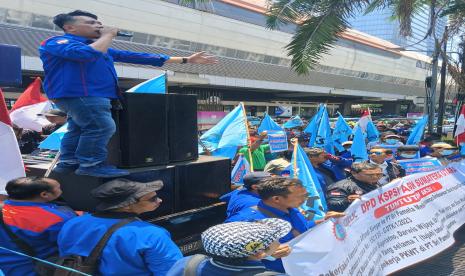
pixel 294 142
pixel 249 144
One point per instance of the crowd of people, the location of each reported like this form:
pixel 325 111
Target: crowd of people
pixel 262 216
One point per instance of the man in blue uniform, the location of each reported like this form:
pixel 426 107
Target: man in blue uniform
pixel 30 216
pixel 248 196
pixel 280 198
pixel 235 248
pixel 137 248
pixel 81 80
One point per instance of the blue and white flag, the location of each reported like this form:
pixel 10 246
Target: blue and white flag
pixel 241 168
pixel 53 141
pixel 315 205
pixel 312 127
pixel 323 137
pixel 359 148
pixel 269 125
pixel 341 133
pixel 155 85
pixel 417 132
pixel 229 133
pixel 293 122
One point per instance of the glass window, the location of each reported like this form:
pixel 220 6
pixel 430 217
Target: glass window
pixel 40 21
pixel 140 37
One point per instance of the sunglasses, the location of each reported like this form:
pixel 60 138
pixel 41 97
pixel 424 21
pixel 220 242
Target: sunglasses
pixel 377 152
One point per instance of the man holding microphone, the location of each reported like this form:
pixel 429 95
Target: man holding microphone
pixel 81 80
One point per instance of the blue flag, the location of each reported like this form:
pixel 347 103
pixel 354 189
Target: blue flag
pixel 230 132
pixel 417 131
pixel 341 133
pixel 269 125
pixel 323 137
pixel 372 132
pixel 156 85
pixel 315 205
pixel 293 122
pixel 53 141
pixel 241 168
pixel 359 148
pixel 312 127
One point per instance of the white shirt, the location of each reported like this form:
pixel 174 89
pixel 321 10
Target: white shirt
pixel 383 166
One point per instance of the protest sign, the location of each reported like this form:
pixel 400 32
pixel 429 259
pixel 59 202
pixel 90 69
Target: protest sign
pixel 397 225
pixel 412 166
pixel 241 168
pixel 277 141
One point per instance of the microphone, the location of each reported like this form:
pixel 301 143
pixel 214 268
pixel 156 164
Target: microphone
pixel 123 34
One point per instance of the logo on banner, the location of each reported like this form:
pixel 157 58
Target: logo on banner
pixel 339 231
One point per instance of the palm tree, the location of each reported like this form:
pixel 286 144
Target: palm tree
pixel 321 22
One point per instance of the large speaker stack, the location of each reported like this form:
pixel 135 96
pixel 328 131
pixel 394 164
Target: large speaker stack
pixel 157 139
pixel 10 65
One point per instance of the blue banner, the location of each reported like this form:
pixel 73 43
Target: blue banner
pixel 293 122
pixel 269 125
pixel 155 85
pixel 417 132
pixel 341 133
pixel 277 141
pixel 420 165
pixel 323 137
pixel 359 148
pixel 312 127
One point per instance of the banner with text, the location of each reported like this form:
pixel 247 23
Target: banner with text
pixel 400 224
pixel 277 141
pixel 412 166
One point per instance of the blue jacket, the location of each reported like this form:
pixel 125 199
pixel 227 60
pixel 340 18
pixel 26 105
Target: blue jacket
pixel 210 267
pixel 239 199
pixel 38 225
pixel 74 69
pixel 294 217
pixel 138 248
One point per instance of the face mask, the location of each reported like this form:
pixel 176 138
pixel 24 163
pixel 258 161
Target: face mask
pixel 391 141
pixel 447 152
pixel 408 156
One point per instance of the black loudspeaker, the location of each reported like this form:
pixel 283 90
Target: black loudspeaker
pixel 143 130
pixel 10 65
pixel 182 118
pixel 202 182
pixel 76 188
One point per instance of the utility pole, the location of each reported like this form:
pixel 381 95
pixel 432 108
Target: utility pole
pixel 434 81
pixel 442 91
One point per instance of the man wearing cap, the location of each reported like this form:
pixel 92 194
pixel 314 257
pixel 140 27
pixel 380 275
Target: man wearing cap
pixel 388 138
pixel 57 119
pixel 364 179
pixel 30 215
pixel 346 153
pixel 280 198
pixel 446 153
pixel 391 171
pixel 408 152
pixel 246 197
pixel 235 248
pixel 137 248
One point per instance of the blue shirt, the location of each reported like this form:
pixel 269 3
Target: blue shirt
pixel 238 200
pixel 210 267
pixel 38 225
pixel 293 216
pixel 138 248
pixel 74 69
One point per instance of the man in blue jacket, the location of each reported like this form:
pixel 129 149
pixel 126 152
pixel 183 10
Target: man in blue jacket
pixel 81 80
pixel 245 197
pixel 29 214
pixel 137 248
pixel 280 198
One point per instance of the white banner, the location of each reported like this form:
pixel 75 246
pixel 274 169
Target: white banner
pixel 400 224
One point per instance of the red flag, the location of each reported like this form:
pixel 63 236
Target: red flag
pixel 29 104
pixel 11 163
pixel 460 129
